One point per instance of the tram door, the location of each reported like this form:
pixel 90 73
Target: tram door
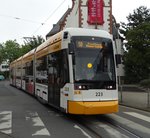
pixel 58 75
pixel 53 79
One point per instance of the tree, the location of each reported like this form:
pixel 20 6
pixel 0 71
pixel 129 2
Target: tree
pixel 33 42
pixel 140 15
pixel 25 49
pixel 1 59
pixel 137 34
pixel 10 50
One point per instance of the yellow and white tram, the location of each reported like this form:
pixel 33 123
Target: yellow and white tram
pixel 73 70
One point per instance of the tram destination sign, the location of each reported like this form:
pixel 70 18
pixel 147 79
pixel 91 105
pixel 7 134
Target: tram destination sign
pixel 86 44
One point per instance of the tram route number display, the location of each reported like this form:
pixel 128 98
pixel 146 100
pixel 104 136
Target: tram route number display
pixel 99 94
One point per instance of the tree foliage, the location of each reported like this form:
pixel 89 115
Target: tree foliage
pixel 33 42
pixel 1 58
pixel 137 34
pixel 10 50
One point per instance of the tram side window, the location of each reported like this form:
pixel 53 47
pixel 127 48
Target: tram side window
pixel 41 70
pixel 23 71
pixel 18 72
pixel 29 71
pixel 29 68
pixel 52 67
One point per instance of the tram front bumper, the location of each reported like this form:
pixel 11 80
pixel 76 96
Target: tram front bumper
pixel 91 108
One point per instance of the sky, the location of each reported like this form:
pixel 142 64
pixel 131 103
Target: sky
pixel 28 18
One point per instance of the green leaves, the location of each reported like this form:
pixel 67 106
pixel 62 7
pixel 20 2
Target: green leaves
pixel 11 50
pixel 33 42
pixel 140 15
pixel 137 35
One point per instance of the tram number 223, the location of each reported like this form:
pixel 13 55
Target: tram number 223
pixel 99 94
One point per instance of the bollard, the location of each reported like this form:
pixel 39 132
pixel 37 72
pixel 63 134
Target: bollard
pixel 148 97
pixel 121 98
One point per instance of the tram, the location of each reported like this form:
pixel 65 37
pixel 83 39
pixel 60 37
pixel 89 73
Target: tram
pixel 74 71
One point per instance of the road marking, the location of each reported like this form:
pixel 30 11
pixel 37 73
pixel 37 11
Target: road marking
pixel 143 117
pixel 6 122
pixel 130 124
pixel 43 131
pixel 38 124
pixel 75 126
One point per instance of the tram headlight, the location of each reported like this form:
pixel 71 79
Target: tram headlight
pixel 80 87
pixel 109 87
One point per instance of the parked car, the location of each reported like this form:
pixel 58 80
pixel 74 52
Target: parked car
pixel 2 77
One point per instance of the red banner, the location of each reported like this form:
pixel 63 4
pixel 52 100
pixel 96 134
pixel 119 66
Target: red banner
pixel 95 12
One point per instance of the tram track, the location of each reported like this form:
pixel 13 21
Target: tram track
pixel 83 123
pixel 112 122
pixel 96 125
pixel 4 135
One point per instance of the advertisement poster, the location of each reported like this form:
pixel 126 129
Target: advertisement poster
pixel 95 12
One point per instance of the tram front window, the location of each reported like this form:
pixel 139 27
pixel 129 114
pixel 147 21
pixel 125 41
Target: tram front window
pixel 93 60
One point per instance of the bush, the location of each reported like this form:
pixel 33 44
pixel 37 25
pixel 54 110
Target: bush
pixel 145 83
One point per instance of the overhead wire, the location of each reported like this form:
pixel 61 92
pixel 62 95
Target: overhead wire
pixel 32 21
pixel 49 16
pixel 18 18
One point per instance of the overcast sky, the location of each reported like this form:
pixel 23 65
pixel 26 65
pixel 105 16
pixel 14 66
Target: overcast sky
pixel 25 18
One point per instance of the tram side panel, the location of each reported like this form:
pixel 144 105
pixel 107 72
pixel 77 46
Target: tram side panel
pixel 23 87
pixel 18 74
pixel 29 79
pixel 28 74
pixel 41 78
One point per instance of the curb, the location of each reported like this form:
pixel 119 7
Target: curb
pixel 143 109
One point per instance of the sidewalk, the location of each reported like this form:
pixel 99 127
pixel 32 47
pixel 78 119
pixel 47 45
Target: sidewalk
pixel 136 99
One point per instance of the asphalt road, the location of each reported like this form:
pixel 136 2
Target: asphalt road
pixel 22 116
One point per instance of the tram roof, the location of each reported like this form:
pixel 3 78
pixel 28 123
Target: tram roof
pixel 12 63
pixel 51 40
pixel 29 53
pixel 19 59
pixel 42 46
pixel 87 32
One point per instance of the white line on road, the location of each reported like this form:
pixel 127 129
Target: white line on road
pixel 75 126
pixel 43 131
pixel 6 122
pixel 38 123
pixel 143 117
